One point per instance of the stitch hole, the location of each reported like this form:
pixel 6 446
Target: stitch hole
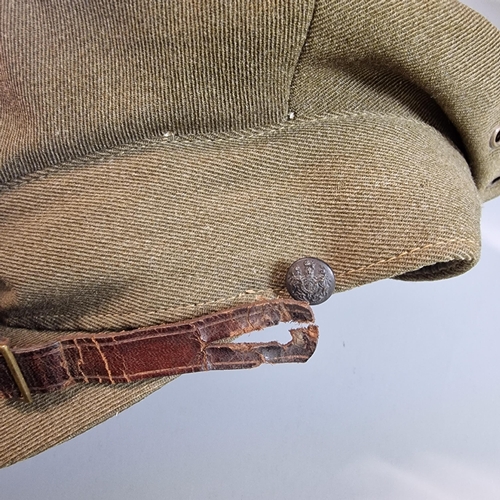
pixel 495 181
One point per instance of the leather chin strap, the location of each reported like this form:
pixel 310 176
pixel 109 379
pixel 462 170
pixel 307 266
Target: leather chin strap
pixel 157 351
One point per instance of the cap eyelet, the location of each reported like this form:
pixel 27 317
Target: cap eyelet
pixel 495 138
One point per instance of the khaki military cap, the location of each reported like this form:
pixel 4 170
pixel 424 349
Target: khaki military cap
pixel 165 161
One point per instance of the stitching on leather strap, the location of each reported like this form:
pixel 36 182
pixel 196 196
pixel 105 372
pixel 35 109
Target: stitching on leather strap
pixel 162 350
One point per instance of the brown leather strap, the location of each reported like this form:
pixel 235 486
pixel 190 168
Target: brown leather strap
pixel 169 349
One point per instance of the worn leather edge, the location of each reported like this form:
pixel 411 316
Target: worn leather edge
pixel 163 350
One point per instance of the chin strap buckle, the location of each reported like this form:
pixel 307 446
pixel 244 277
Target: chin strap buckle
pixel 15 371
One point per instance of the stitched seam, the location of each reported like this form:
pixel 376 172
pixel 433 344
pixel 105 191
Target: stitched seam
pixel 301 52
pixel 279 291
pixel 407 252
pixel 185 140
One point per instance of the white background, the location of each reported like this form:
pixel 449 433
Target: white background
pixel 400 401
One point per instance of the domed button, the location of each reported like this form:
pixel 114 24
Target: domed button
pixel 310 280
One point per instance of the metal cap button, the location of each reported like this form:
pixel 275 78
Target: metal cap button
pixel 311 280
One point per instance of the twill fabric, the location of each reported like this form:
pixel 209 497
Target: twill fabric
pixel 164 160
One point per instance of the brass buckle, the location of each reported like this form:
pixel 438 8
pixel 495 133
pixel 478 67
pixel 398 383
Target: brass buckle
pixel 16 373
